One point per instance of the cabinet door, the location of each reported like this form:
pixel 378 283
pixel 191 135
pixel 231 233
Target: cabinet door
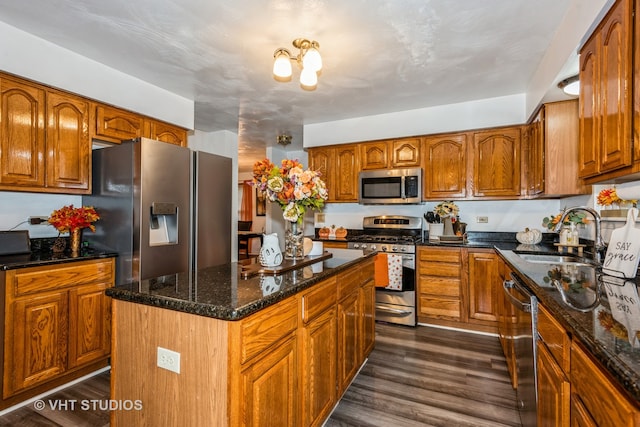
pixel 165 132
pixel 483 282
pixel 319 359
pixel 89 324
pixel 22 138
pixel 506 313
pixel 588 109
pixel 553 390
pixel 615 87
pixel 322 159
pixel 347 341
pixel 405 153
pixel 346 174
pixel 533 143
pixel 68 143
pixel 115 125
pixel 36 342
pixel 374 155
pixel 445 173
pixel 269 389
pixel 367 315
pixel 496 167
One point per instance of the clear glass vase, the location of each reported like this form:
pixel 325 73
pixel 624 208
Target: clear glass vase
pixel 293 241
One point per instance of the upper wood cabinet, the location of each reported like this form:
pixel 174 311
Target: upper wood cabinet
pixel 165 132
pixel 22 135
pixel 496 162
pixel 405 153
pixel 606 142
pixel 374 155
pixel 44 139
pixel 550 147
pixel 445 170
pixel 115 125
pixel 339 166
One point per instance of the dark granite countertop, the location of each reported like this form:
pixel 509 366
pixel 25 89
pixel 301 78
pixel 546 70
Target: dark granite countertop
pixel 42 254
pixel 583 305
pixel 220 292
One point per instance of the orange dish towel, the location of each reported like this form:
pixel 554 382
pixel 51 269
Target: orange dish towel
pixel 381 274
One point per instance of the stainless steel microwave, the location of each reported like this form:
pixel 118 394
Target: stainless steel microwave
pixel 390 186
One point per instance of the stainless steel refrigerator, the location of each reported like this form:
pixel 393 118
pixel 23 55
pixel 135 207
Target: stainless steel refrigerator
pixel 163 208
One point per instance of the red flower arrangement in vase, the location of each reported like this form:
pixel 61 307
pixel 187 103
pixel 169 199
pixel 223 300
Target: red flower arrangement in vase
pixel 72 220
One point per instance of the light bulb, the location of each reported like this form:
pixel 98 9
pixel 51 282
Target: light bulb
pixel 308 79
pixel 312 60
pixel 282 65
pixel 572 88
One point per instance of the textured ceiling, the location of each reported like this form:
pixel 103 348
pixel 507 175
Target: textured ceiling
pixel 379 55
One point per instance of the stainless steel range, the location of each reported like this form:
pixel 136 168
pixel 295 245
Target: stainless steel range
pixel 396 235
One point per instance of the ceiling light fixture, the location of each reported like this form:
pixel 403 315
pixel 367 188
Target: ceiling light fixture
pixel 308 59
pixel 284 140
pixel 570 85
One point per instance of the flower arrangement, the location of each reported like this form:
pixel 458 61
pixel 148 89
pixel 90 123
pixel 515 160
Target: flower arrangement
pixel 551 221
pixel 446 209
pixel 609 196
pixel 68 218
pixel 294 188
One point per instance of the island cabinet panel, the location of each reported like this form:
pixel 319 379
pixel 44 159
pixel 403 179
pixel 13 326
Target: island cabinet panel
pixel 22 136
pixel 445 172
pixel 496 162
pixel 57 326
pixel 595 399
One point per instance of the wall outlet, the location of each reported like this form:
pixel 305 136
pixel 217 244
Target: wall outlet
pixel 169 360
pixel 35 220
pixel 320 218
pixel 482 219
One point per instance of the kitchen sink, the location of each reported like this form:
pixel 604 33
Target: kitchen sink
pixel 555 259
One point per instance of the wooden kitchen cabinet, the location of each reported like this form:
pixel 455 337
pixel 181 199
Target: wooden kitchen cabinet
pixel 445 171
pixel 496 162
pixel 57 325
pixel 606 140
pixel 405 152
pixel 440 282
pixel 551 146
pixel 595 400
pixel 483 286
pixel 339 167
pixel 114 124
pixel 506 322
pixel 165 132
pixel 319 352
pixel 348 336
pixel 44 139
pixel 374 155
pixel 553 365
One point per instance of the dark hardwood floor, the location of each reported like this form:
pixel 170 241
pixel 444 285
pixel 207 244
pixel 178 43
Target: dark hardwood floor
pixel 414 377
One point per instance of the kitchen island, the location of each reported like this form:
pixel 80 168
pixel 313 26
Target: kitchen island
pixel 278 350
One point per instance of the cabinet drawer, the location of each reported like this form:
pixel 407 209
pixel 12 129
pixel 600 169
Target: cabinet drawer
pixel 440 307
pixel 263 329
pixel 440 286
pixel 439 269
pixel 555 338
pixel 319 299
pixel 440 255
pixel 348 282
pixel 36 279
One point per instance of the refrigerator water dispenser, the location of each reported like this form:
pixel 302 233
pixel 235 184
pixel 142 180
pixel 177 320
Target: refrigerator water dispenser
pixel 163 224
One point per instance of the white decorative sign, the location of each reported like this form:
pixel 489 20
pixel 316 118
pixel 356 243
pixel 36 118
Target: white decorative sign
pixel 623 251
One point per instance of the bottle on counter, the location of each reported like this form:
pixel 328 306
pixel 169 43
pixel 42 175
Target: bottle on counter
pixel 572 234
pixel 564 236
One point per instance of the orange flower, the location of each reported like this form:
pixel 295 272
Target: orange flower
pixel 68 218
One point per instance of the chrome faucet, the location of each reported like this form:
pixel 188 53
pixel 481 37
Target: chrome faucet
pixel 598 242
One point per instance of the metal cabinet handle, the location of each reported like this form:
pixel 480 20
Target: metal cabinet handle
pixel 522 306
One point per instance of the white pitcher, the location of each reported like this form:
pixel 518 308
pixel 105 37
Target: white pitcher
pixel 270 253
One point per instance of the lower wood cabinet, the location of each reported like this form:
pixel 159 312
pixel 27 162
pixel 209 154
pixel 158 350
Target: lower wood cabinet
pixel 507 319
pixel 57 325
pixel 458 287
pixel 286 365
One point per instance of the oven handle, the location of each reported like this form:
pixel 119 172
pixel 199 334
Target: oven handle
pixel 393 311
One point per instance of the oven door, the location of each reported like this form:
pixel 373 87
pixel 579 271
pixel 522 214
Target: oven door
pixel 408 273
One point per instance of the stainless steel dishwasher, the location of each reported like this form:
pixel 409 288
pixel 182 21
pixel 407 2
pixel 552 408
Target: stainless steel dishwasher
pixel 523 335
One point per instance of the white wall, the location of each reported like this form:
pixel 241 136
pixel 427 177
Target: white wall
pixel 505 110
pixel 34 58
pixel 15 208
